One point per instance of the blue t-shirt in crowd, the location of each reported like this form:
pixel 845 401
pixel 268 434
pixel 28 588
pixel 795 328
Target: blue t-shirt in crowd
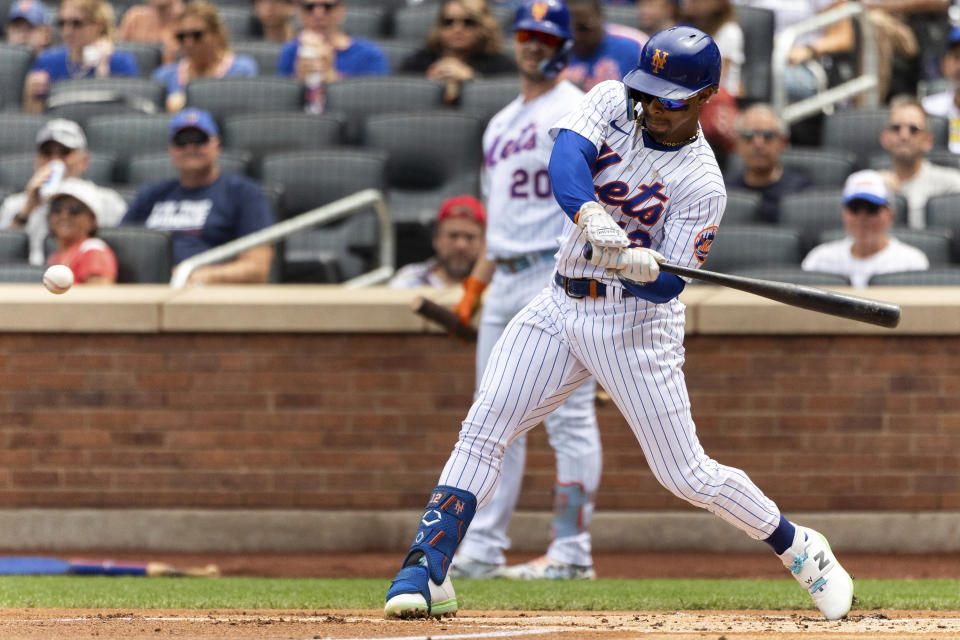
pixel 56 63
pixel 611 61
pixel 361 58
pixel 167 74
pixel 201 218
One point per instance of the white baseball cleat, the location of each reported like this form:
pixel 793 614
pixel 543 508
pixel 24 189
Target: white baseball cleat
pixel 813 564
pixel 463 567
pixel 544 568
pixel 407 595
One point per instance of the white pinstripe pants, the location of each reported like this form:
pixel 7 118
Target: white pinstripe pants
pixel 635 351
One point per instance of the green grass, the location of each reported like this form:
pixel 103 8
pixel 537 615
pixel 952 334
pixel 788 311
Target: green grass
pixel 325 594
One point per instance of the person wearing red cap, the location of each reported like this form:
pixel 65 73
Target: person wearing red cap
pixel 457 244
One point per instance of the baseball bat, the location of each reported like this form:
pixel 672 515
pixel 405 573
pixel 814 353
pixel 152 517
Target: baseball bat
pixel 445 318
pixel 884 314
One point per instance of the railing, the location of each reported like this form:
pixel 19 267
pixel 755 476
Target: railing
pixel 866 82
pixel 328 213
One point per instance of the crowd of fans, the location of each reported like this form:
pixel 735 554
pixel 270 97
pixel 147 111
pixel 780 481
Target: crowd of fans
pixel 466 41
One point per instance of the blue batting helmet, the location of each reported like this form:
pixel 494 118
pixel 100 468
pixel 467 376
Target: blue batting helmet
pixel 547 16
pixel 676 63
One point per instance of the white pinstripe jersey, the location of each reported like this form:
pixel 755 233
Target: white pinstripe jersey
pixel 671 201
pixel 522 215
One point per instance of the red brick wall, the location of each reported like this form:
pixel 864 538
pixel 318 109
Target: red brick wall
pixel 359 421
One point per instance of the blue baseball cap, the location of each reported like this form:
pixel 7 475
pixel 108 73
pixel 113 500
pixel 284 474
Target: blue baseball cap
pixel 33 12
pixel 193 119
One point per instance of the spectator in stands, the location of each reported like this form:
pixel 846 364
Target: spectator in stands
pixel 717 18
pixel 869 249
pixel 74 210
pixel 947 103
pixel 465 42
pixel 204 208
pixel 762 137
pixel 907 139
pixel 28 24
pixel 154 21
pixel 597 55
pixel 657 15
pixel 323 53
pixel 458 233
pixel 86 27
pixel 60 141
pixel 272 20
pixel 206 53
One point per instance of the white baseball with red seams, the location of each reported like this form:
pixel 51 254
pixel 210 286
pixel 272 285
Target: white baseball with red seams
pixel 58 278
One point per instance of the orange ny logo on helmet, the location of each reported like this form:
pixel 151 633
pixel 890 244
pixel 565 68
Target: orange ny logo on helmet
pixel 538 10
pixel 659 59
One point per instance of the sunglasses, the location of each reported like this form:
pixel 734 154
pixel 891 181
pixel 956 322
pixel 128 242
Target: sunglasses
pixel 912 128
pixel 310 7
pixel 547 39
pixel 468 22
pixel 669 105
pixel 190 136
pixel 747 135
pixel 863 206
pixel 196 36
pixel 76 23
pixel 73 209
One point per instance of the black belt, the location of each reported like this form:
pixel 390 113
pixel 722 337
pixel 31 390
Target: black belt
pixel 584 287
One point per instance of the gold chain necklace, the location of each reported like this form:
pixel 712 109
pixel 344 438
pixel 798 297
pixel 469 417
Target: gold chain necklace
pixel 643 127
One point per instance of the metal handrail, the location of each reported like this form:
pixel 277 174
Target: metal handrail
pixel 866 82
pixel 328 213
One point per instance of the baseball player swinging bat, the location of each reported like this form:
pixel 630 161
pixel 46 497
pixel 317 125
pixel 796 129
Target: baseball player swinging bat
pixel 884 314
pixel 445 318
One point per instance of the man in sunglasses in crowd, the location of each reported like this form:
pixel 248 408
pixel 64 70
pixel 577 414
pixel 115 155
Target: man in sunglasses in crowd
pixel 869 249
pixel 762 137
pixel 523 233
pixel 631 169
pixel 907 139
pixel 61 154
pixel 204 208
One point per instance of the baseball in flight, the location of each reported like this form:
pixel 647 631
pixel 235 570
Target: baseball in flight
pixel 58 278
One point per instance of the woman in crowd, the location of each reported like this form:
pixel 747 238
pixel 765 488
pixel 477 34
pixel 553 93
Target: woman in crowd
pixel 206 51
pixel 87 29
pixel 465 42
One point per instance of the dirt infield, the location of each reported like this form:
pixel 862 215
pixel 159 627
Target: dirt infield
pixel 33 624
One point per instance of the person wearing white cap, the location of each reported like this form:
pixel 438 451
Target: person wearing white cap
pixel 61 147
pixel 868 249
pixel 72 216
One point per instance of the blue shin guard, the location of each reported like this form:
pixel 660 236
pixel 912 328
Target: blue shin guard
pixel 442 527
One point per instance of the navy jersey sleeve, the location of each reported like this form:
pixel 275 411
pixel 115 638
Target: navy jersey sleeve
pixel 571 161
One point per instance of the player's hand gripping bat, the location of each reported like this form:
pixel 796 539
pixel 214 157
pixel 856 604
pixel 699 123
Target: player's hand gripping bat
pixel 884 314
pixel 444 317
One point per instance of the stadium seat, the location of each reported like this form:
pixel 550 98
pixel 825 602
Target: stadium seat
pixel 82 99
pixel 396 50
pixel 944 276
pixel 935 243
pixel 414 22
pixel 311 179
pixel 149 55
pixel 230 96
pixel 18 131
pixel 485 97
pixel 265 53
pixel 427 164
pixel 943 213
pixel 128 135
pixel 361 97
pixel 15 61
pixel 145 168
pixel 743 207
pixel 752 246
pixel 143 255
pixel 625 14
pixel 23 272
pixel 17 168
pixel 757 24
pixel 266 132
pixel 14 246
pixel 794 275
pixel 237 19
pixel 815 211
pixel 824 167
pixel 366 22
